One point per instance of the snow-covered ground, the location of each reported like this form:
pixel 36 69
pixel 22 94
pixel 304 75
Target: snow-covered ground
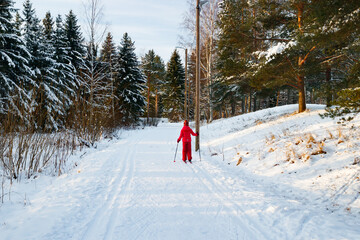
pixel 264 175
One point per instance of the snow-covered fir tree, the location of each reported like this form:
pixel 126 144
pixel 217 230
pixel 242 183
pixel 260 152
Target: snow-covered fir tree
pixel 174 88
pixel 18 23
pixel 129 84
pixel 76 52
pixel 46 102
pixel 64 70
pixel 75 40
pixel 15 74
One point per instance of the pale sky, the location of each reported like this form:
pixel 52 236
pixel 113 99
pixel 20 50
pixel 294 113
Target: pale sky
pixel 152 24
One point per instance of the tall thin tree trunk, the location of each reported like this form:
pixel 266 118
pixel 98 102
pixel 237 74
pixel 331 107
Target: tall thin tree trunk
pixel 243 105
pixel 328 85
pixel 255 103
pixel 156 103
pixel 250 102
pixel 300 78
pixel 148 101
pixel 302 97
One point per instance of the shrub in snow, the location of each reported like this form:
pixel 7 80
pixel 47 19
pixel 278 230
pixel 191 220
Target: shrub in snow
pixel 347 105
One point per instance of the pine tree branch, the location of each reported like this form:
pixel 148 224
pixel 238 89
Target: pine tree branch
pixel 330 58
pixel 292 85
pixel 292 66
pixel 307 55
pixel 272 39
pixel 264 39
pixel 353 59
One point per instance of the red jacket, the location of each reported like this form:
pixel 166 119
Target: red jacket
pixel 185 134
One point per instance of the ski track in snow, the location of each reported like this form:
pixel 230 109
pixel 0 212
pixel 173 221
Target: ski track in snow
pixel 132 189
pixel 136 191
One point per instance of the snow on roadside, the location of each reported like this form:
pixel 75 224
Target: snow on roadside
pixel 281 175
pixel 299 156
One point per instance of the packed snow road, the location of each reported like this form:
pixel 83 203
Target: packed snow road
pixel 132 189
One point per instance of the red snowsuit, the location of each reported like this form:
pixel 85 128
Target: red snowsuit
pixel 186 138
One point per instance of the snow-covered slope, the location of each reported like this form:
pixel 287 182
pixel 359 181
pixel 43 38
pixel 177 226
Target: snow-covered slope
pixel 270 174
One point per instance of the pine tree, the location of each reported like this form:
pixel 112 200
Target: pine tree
pixel 15 74
pixel 335 31
pixel 174 88
pixel 237 41
pixel 129 84
pixel 154 70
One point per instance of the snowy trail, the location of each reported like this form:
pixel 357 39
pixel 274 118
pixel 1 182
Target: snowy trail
pixel 132 189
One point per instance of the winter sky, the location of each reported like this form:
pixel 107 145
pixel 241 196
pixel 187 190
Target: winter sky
pixel 152 24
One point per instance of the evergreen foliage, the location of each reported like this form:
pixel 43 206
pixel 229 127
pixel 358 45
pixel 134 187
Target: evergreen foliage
pixel 108 55
pixel 15 73
pixel 300 44
pixel 108 51
pixel 174 86
pixel 129 83
pixel 75 40
pixel 347 103
pixel 64 70
pixel 154 71
pixel 50 81
pixel 46 97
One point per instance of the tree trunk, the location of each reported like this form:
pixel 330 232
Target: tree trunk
pixel 255 103
pixel 243 105
pixel 302 97
pixel 250 103
pixel 156 104
pixel 300 78
pixel 148 101
pixel 328 85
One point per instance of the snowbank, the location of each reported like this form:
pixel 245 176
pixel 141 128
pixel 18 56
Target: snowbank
pixel 302 152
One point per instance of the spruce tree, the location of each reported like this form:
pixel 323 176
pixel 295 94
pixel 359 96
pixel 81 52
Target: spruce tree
pixel 108 56
pixel 47 104
pixel 77 50
pixel 174 88
pixel 154 70
pixel 64 70
pixel 15 74
pixel 48 24
pixel 18 23
pixel 108 50
pixel 129 84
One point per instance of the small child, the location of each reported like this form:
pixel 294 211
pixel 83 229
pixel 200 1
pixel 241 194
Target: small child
pixel 185 134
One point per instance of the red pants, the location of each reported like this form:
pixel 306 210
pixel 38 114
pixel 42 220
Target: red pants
pixel 186 151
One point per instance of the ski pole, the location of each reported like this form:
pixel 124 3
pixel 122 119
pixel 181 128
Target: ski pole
pixel 176 150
